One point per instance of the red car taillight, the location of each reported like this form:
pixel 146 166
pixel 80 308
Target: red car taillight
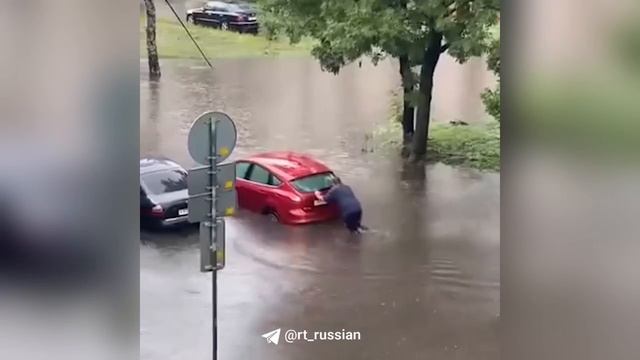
pixel 157 211
pixel 308 203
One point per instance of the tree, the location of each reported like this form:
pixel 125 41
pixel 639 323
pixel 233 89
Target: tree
pixel 408 86
pixel 416 32
pixel 461 28
pixel 152 48
pixel 408 111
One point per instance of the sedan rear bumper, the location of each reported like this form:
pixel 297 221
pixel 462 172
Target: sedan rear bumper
pixel 300 217
pixel 175 220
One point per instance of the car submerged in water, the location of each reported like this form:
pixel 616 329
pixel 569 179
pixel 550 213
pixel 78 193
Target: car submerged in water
pixel 228 16
pixel 282 185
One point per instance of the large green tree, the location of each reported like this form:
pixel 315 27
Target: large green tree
pixel 416 32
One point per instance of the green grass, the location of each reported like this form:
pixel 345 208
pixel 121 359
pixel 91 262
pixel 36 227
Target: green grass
pixel 476 146
pixel 174 43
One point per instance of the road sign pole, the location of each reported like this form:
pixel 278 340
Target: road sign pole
pixel 213 183
pixel 212 194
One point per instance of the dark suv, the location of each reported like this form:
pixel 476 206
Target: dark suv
pixel 235 16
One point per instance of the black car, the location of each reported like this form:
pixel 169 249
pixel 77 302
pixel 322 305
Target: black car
pixel 235 16
pixel 163 193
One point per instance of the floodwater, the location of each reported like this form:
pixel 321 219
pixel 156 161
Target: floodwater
pixel 422 284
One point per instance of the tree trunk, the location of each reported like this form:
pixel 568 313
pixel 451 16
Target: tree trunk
pixel 429 62
pixel 407 109
pixel 152 48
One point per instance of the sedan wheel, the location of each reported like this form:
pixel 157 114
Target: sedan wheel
pixel 224 26
pixel 273 217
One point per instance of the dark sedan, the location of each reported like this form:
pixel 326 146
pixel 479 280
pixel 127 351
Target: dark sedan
pixel 163 193
pixel 239 17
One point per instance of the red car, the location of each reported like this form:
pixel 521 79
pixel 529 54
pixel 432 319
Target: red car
pixel 282 185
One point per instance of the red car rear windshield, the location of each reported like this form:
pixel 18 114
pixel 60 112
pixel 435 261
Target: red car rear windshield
pixel 315 182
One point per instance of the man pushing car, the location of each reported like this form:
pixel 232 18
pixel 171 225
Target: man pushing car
pixel 350 209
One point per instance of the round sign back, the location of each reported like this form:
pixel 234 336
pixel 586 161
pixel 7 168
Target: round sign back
pixel 198 142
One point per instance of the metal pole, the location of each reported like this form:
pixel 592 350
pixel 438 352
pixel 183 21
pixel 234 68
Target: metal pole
pixel 213 181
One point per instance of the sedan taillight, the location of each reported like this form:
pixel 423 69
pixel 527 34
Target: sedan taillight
pixel 157 211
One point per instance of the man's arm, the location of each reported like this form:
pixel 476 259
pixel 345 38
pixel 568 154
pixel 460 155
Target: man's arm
pixel 326 197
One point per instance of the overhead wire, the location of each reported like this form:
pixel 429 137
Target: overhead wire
pixel 204 56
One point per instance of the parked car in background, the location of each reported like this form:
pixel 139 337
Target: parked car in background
pixel 163 193
pixel 282 185
pixel 235 16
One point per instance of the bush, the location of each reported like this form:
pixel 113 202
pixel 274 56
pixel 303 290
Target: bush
pixel 491 101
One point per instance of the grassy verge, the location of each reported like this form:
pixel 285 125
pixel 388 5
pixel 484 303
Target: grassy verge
pixel 476 146
pixel 174 43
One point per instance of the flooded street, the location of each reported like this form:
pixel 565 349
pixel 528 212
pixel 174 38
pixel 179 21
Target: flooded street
pixel 422 284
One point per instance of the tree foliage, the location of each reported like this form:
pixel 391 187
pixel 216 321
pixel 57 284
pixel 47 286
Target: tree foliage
pixel 346 30
pixel 491 101
pixel 491 98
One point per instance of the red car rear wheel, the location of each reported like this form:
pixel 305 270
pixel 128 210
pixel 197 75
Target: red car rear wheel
pixel 273 215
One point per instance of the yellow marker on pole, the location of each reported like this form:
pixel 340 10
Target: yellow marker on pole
pixel 224 151
pixel 229 211
pixel 228 184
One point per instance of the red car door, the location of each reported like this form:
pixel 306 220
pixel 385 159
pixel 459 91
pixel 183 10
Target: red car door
pixel 257 189
pixel 242 171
